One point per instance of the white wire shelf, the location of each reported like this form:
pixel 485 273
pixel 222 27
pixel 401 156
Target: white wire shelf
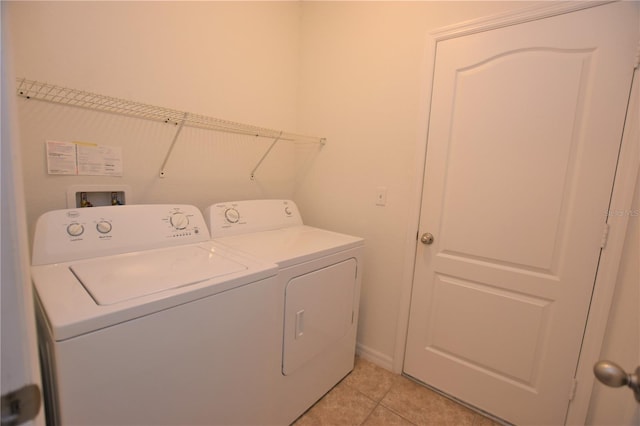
pixel 63 95
pixel 31 89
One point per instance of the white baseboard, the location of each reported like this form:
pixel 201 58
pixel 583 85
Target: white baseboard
pixel 379 359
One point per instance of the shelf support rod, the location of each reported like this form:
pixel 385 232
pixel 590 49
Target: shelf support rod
pixel 173 142
pixel 253 177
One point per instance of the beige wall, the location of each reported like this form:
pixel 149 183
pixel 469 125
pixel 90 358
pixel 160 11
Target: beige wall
pixel 354 72
pixel 236 61
pixel 363 85
pixel 364 80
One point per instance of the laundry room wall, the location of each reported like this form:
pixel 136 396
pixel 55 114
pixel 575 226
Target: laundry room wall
pixel 232 60
pixel 364 85
pixel 354 72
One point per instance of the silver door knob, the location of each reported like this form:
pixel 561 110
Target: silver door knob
pixel 611 374
pixel 427 238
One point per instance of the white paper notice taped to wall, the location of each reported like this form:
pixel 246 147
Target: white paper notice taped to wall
pixel 82 158
pixel 61 158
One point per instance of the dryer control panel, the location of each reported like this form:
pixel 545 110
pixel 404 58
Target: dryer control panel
pixel 240 217
pixel 71 234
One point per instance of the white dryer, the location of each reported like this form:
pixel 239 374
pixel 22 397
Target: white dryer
pixel 319 275
pixel 143 320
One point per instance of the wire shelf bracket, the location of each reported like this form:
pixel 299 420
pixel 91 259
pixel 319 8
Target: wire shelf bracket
pixel 253 172
pixel 31 89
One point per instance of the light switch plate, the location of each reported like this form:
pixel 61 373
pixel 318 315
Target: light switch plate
pixel 381 196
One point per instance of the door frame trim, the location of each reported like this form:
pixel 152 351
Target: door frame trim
pixel 622 196
pixel 603 292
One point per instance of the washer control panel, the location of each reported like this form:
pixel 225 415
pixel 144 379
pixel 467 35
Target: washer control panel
pixel 70 234
pixel 239 217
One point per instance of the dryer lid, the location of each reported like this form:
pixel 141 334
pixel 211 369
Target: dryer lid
pixel 292 245
pixel 118 278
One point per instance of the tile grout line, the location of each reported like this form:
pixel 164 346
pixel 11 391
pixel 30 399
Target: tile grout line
pixel 366 396
pixel 397 413
pixel 380 404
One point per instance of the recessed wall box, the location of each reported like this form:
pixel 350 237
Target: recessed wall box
pixel 98 195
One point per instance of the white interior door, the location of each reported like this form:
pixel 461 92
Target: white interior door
pixel 524 133
pixel 20 372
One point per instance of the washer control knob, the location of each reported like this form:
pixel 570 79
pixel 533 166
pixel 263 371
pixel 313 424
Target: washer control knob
pixel 75 229
pixel 287 211
pixel 179 220
pixel 232 215
pixel 104 227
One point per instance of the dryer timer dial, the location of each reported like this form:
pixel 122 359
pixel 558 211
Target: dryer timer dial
pixel 232 215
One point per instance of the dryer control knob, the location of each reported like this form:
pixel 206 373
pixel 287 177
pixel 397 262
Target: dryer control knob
pixel 179 220
pixel 232 215
pixel 75 229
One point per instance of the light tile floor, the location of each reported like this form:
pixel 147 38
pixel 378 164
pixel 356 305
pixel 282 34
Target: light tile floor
pixel 372 396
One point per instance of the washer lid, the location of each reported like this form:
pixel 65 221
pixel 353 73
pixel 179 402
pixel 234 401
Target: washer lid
pixel 118 278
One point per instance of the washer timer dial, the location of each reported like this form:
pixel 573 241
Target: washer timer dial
pixel 179 221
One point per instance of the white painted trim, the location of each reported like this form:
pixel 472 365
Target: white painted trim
pixel 512 17
pixel 623 192
pixel 377 358
pixel 413 221
pixel 621 200
pixel 19 352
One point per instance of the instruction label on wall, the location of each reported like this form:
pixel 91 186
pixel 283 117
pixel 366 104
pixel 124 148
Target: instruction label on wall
pixel 83 158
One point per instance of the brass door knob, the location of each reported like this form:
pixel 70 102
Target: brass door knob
pixel 427 238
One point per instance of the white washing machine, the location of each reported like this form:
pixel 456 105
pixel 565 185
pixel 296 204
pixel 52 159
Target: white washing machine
pixel 319 275
pixel 143 320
